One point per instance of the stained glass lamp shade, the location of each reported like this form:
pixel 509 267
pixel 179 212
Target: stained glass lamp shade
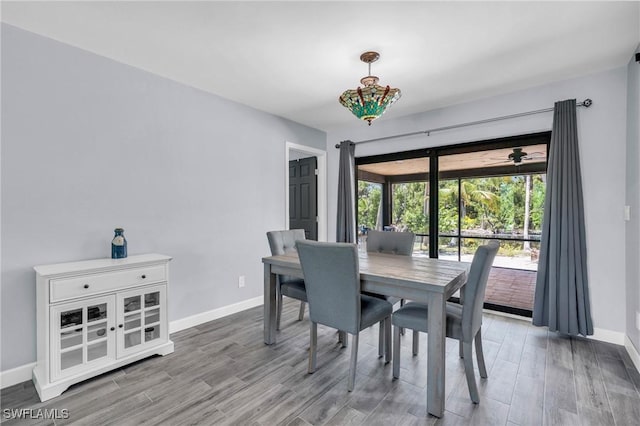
pixel 371 101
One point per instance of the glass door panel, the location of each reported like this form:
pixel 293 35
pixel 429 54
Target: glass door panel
pixel 132 304
pixel 97 351
pixel 72 337
pixel 96 331
pixel 410 210
pixel 97 312
pixel 143 311
pixel 369 209
pixel 421 245
pixel 132 339
pixel 448 248
pixel 448 207
pixel 152 299
pixel 81 335
pixel 151 333
pixel 71 318
pixel 72 358
pixel 132 321
pixel 152 317
pixel 97 336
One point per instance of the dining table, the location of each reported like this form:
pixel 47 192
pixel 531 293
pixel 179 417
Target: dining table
pixel 420 279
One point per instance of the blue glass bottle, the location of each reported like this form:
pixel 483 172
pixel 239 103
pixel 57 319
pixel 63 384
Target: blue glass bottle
pixel 118 245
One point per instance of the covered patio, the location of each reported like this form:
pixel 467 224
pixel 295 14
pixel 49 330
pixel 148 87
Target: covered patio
pixel 490 190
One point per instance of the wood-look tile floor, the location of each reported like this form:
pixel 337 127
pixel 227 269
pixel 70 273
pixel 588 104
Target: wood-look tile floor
pixel 222 373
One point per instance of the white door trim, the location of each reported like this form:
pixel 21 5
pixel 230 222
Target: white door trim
pixel 322 185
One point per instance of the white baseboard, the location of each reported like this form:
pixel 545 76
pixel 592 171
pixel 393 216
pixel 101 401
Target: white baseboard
pixel 16 375
pixel 600 334
pixel 24 372
pixel 197 319
pixel 632 351
pixel 615 337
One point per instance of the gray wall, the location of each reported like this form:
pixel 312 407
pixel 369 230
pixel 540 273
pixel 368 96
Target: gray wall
pixel 602 136
pixel 89 144
pixel 632 230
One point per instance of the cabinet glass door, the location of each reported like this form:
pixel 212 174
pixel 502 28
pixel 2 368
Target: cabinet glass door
pixel 82 335
pixel 142 318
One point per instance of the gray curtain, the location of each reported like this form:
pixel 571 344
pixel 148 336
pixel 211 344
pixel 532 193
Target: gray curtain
pixel 346 222
pixel 562 291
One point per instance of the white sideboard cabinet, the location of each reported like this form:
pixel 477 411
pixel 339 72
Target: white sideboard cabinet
pixel 97 315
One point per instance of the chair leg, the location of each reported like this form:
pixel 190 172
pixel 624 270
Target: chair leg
pixel 279 312
pixel 342 338
pixel 387 340
pixel 416 342
pixel 313 343
pixel 381 339
pixel 468 371
pixel 301 314
pixel 460 352
pixel 396 352
pixel 480 356
pixel 401 305
pixel 354 361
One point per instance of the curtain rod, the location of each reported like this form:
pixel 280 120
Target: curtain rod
pixel 586 103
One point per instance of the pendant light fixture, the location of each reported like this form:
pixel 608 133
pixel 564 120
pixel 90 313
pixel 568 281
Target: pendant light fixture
pixel 371 101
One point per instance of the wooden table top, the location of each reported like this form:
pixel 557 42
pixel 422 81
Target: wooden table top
pixel 433 275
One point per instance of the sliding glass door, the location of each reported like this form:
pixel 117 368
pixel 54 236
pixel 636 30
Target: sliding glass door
pixel 455 198
pixel 506 208
pixel 410 212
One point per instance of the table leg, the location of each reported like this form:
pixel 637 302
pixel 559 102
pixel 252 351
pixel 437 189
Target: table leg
pixel 436 355
pixel 270 305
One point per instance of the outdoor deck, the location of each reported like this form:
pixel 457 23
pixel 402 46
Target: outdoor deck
pixel 512 280
pixel 511 287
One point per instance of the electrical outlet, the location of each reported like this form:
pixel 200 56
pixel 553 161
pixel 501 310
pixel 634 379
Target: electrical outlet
pixel 627 213
pixel 638 320
pixel 241 281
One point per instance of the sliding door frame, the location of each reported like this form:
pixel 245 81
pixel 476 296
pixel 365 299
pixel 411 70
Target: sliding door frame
pixel 433 177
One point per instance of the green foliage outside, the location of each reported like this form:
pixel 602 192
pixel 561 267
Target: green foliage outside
pixel 492 206
pixel 411 207
pixel 369 195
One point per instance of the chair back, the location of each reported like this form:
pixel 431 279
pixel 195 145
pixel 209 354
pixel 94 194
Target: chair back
pixel 400 243
pixel 475 288
pixel 281 242
pixel 332 278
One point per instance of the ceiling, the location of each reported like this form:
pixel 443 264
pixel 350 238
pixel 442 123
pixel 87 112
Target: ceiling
pixel 294 59
pixel 466 161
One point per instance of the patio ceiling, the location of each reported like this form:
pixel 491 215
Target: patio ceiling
pixel 495 158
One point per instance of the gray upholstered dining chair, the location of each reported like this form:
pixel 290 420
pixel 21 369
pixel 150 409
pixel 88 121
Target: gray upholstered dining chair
pixel 399 243
pixel 281 242
pixel 332 277
pixel 464 322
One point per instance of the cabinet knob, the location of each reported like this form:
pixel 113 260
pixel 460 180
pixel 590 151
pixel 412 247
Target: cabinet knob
pixel 86 286
pixel 120 326
pixel 143 277
pixel 113 329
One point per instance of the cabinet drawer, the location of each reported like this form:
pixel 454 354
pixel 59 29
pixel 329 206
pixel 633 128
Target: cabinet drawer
pixel 69 288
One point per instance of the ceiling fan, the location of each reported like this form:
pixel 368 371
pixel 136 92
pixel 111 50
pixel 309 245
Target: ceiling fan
pixel 518 156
